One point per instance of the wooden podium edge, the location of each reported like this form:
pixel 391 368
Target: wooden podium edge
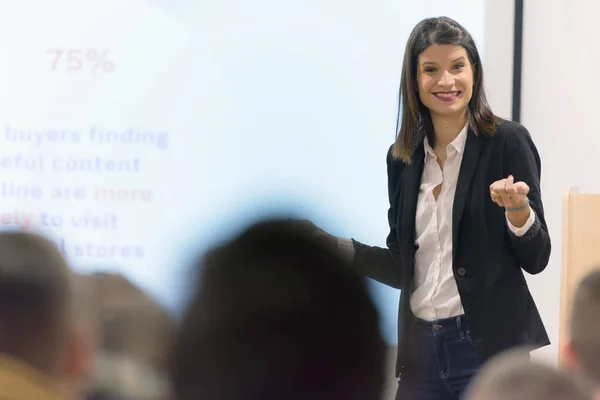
pixel 564 273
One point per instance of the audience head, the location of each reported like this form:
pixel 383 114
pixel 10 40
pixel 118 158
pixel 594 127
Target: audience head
pixel 132 322
pixel 278 315
pixel 35 302
pixel 512 376
pixel 582 352
pixel 135 336
pixel 85 332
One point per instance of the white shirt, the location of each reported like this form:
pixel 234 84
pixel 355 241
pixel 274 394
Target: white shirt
pixel 436 294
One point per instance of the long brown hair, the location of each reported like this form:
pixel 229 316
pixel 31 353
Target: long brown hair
pixel 414 119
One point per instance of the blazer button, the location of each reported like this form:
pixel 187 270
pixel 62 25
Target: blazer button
pixel 461 271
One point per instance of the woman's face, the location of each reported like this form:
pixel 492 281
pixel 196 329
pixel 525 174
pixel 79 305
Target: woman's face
pixel 445 79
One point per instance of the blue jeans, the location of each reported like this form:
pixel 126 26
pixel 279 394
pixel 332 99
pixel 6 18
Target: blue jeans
pixel 443 359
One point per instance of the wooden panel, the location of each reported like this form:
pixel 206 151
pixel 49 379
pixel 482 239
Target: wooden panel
pixel 580 249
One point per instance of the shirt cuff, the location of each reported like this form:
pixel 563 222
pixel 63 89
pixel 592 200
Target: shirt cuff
pixel 522 230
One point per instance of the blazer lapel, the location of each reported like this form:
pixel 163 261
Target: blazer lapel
pixel 465 176
pixel 411 185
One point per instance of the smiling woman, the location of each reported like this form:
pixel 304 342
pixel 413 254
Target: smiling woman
pixel 445 79
pixel 465 218
pixel 442 65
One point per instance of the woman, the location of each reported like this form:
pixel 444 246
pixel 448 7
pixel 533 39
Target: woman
pixel 465 219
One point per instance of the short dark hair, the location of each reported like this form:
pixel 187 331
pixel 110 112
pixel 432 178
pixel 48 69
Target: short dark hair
pixel 35 300
pixel 511 375
pixel 585 325
pixel 414 120
pixel 278 315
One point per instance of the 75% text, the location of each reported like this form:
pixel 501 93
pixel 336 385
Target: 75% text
pixel 76 60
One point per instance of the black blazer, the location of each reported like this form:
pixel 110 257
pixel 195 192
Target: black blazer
pixel 488 260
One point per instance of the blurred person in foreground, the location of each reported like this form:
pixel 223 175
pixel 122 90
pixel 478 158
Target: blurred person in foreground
pixel 582 350
pixel 85 332
pixel 37 350
pixel 134 334
pixel 277 315
pixel 513 376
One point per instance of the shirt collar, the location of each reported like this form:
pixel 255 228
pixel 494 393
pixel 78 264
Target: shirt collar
pixel 458 143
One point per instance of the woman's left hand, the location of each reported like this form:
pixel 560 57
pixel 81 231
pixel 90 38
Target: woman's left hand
pixel 508 193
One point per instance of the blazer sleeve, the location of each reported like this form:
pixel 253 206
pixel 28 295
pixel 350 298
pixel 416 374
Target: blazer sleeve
pixel 532 250
pixel 383 264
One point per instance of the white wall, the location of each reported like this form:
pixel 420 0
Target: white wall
pixel 498 61
pixel 553 106
pixel 559 107
pixel 559 101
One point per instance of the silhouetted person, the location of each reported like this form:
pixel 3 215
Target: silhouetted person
pixel 278 316
pixel 512 376
pixel 135 333
pixel 582 350
pixel 36 351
